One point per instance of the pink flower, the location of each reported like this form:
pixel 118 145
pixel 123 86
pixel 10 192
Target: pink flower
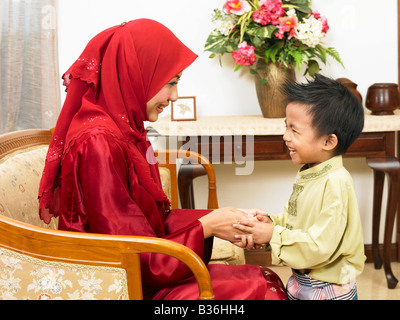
pixel 317 15
pixel 237 7
pixel 325 26
pixel 288 25
pixel 269 13
pixel 245 55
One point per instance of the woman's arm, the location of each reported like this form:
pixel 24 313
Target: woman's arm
pixel 110 208
pixel 219 223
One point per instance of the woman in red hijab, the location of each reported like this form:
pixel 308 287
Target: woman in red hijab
pixel 97 178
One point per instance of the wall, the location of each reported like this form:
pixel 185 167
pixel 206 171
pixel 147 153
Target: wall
pixel 362 31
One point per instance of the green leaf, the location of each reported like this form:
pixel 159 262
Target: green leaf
pixel 300 5
pixel 252 71
pixel 243 22
pixel 271 52
pixel 297 56
pixel 264 81
pixel 263 32
pixel 228 48
pixel 312 68
pixel 257 41
pixel 333 53
pixel 238 67
pixel 322 53
pixel 216 42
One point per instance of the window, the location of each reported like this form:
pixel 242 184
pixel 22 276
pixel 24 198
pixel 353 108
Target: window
pixel 29 81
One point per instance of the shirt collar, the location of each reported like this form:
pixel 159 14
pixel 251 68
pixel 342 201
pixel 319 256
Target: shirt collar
pixel 321 169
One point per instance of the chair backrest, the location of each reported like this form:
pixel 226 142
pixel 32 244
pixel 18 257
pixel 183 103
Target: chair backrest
pixel 22 157
pixel 20 140
pixel 23 239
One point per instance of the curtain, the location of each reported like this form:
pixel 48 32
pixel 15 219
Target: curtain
pixel 29 80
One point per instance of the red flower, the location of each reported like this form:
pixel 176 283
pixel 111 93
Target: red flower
pixel 288 25
pixel 269 13
pixel 245 55
pixel 317 15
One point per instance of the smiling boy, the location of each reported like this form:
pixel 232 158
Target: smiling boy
pixel 319 233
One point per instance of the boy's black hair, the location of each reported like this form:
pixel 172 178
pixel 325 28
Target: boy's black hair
pixel 334 109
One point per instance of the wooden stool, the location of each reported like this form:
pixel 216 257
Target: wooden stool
pixel 391 167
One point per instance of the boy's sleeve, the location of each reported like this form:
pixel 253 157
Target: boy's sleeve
pixel 279 219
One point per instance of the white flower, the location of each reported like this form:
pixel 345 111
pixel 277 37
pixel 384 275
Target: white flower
pixel 291 13
pixel 310 32
pixel 225 26
pixel 224 23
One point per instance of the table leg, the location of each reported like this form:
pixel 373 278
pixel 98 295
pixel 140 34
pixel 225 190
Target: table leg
pixel 389 225
pixel 187 172
pixel 398 231
pixel 379 178
pixel 391 167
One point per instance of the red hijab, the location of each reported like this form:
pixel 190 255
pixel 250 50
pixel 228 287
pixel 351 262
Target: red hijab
pixel 120 69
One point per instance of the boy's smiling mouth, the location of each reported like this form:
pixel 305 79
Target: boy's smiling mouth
pixel 291 150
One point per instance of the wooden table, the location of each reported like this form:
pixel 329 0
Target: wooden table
pixel 232 139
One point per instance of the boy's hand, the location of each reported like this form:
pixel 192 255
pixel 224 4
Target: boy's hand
pixel 253 212
pixel 257 233
pixel 257 214
pixel 263 217
pixel 246 241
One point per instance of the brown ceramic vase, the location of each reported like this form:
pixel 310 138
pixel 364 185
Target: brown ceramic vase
pixel 271 99
pixel 351 86
pixel 382 98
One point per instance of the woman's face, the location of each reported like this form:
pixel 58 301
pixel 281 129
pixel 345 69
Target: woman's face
pixel 161 100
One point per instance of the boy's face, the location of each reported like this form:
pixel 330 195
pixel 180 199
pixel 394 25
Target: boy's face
pixel 304 143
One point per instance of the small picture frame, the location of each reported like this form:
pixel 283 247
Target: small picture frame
pixel 183 109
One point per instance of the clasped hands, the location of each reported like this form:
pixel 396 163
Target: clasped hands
pixel 255 231
pixel 246 228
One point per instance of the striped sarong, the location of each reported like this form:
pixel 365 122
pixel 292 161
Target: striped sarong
pixel 303 287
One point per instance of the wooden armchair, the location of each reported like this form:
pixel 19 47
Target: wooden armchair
pixel 38 262
pixel 44 263
pixel 167 159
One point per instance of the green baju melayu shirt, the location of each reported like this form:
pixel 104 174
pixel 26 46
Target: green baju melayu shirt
pixel 320 230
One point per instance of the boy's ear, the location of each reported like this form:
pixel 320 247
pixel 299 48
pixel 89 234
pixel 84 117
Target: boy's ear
pixel 331 142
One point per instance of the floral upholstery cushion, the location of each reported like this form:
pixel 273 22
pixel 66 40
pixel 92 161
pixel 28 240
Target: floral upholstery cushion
pixel 20 174
pixel 26 278
pixel 226 253
pixel 165 176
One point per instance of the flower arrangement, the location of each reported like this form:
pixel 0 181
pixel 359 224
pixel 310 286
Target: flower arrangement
pixel 286 32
